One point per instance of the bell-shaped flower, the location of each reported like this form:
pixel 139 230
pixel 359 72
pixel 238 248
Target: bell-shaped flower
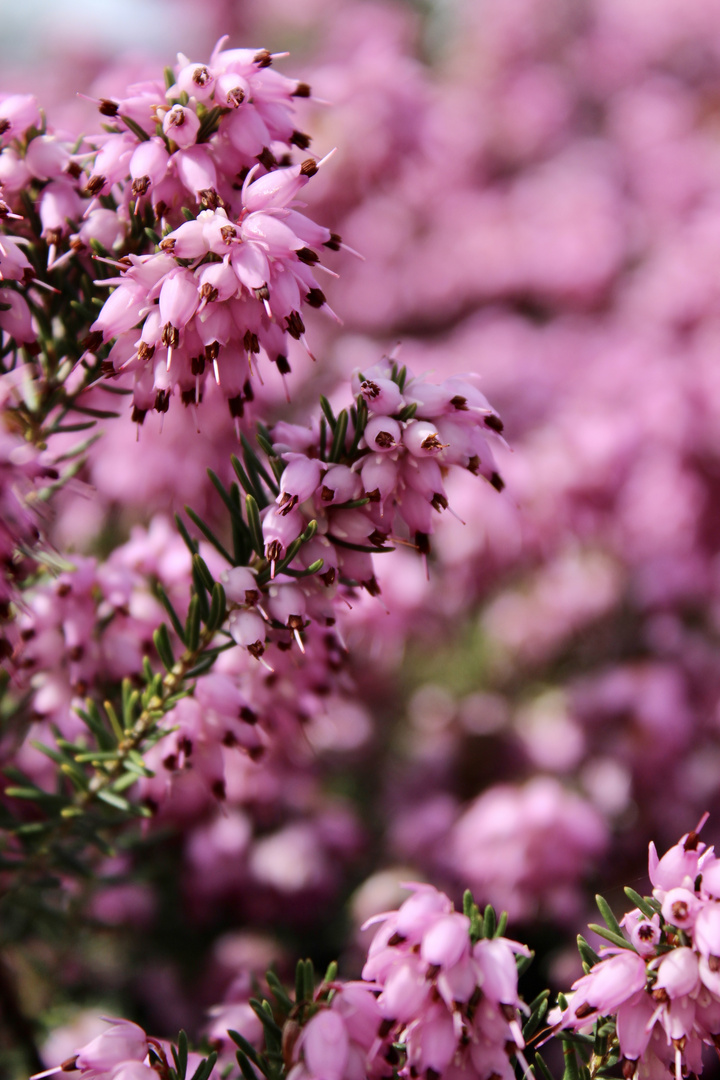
pixel 196 169
pixel 148 164
pixel 706 934
pixel 20 112
pixel 276 188
pixel 405 992
pixel 447 941
pixel 15 316
pixel 607 985
pixel 680 908
pixel 677 972
pixel 46 157
pixel 633 1025
pixel 677 868
pixel 122 1041
pixel 340 484
pixel 431 1041
pixel 299 480
pixel 496 961
pixel 181 125
pixel 383 396
pixel 240 585
pixel 382 434
pixel 248 629
pixel 179 298
pixel 421 439
pixel 195 80
pixel 325 1044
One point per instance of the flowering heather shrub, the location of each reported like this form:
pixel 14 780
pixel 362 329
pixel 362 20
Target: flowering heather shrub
pixel 350 662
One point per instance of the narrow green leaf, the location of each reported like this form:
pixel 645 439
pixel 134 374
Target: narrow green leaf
pixel 278 991
pixel 99 414
pixel 242 476
pixel 607 914
pixel 33 794
pixel 253 516
pixel 299 981
pixel 536 1017
pixel 217 607
pixel 639 902
pixel 172 614
pixel 161 638
pixel 331 973
pixel 209 534
pixel 191 544
pixel 245 1066
pixel 571 1062
pixel 361 420
pixel 587 953
pixel 181 1059
pixel 114 800
pixel 125 781
pixel 329 414
pixel 524 962
pixel 135 128
pixel 542 1068
pixel 205 1067
pixel 247 1048
pixel 337 449
pixel 309 975
pixel 192 624
pixel 202 666
pixel 257 470
pixel 609 935
pixel 96 755
pixel 489 922
pixel 502 925
pixel 407 413
pixel 200 592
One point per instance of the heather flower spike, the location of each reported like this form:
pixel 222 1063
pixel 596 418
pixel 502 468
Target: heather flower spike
pixel 661 990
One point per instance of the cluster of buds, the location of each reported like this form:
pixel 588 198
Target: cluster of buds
pixel 94 622
pixel 218 290
pixel 401 438
pixel 375 477
pixel 663 987
pixel 449 999
pixel 344 1039
pixel 195 139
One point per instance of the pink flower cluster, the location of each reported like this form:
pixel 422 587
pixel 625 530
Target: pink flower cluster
pixel 218 290
pixel 343 1041
pixel 663 988
pixel 394 462
pixel 231 279
pixel 193 141
pixel 94 622
pixel 451 1002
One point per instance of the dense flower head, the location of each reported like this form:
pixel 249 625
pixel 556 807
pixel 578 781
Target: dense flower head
pixel 449 997
pixel 217 291
pixel 188 142
pixel 663 987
